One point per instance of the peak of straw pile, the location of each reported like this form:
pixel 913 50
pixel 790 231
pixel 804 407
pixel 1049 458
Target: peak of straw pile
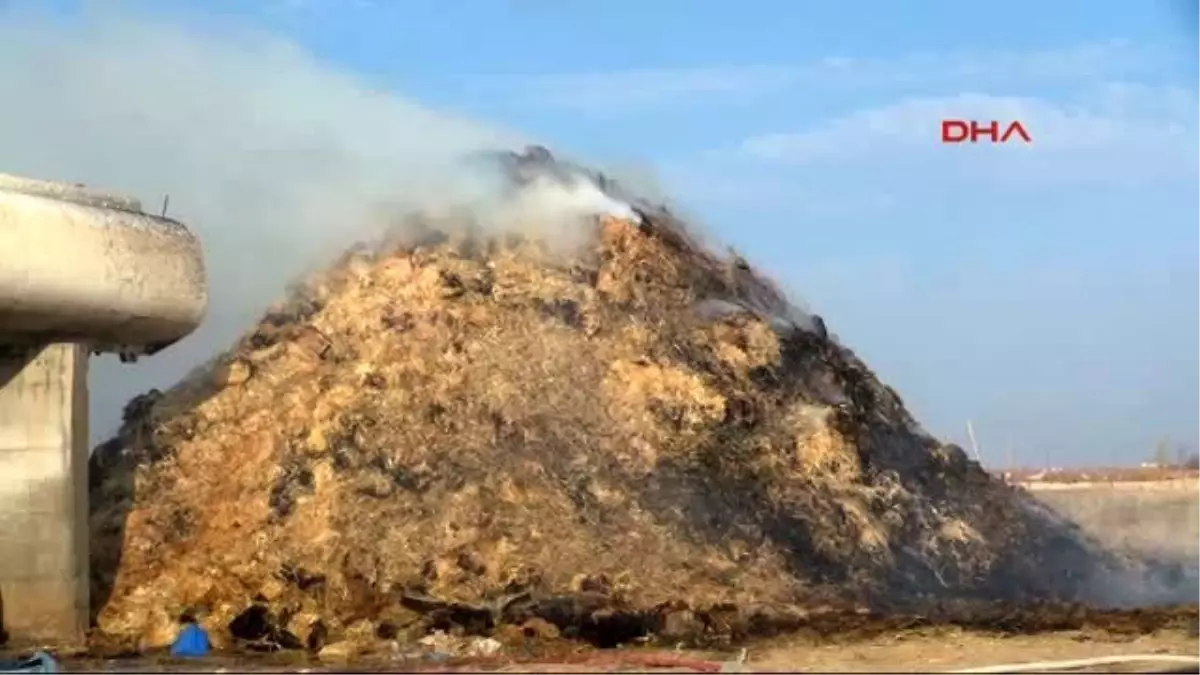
pixel 470 431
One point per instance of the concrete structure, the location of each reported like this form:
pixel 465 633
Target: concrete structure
pixel 80 272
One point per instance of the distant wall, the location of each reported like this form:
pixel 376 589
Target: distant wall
pixel 1157 518
pixel 1191 485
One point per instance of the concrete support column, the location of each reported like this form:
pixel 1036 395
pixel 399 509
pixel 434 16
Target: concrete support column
pixel 43 494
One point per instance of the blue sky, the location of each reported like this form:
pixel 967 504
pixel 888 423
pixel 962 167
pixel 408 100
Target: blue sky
pixel 1049 292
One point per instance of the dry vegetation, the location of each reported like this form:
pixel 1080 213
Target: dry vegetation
pixel 1160 519
pixel 470 433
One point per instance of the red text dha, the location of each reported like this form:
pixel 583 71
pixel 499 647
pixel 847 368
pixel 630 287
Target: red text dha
pixel 994 131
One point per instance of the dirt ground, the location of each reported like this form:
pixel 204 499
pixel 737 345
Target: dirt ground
pixel 838 643
pixel 901 652
pixel 952 651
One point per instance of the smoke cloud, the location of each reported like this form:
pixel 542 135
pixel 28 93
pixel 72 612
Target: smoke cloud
pixel 277 161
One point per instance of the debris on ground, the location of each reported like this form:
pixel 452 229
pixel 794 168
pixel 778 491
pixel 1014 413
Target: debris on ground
pixel 480 434
pixel 441 644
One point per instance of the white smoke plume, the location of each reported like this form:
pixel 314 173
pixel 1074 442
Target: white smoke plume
pixel 276 160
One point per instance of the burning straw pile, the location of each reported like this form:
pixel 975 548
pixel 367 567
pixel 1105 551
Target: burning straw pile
pixel 472 432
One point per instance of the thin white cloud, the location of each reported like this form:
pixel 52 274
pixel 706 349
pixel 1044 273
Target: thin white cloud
pixel 1115 134
pixel 297 6
pixel 636 90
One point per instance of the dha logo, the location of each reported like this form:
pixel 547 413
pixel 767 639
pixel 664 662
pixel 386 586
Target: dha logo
pixel 957 131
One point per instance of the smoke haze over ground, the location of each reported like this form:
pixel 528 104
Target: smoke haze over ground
pixel 271 157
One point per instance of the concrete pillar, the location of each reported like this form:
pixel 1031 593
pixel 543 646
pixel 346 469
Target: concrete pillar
pixel 43 494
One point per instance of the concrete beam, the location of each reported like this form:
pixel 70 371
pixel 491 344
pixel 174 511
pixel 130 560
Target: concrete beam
pixel 43 494
pixel 79 265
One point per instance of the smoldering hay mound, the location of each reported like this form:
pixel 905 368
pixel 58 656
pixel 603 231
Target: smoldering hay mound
pixel 459 429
